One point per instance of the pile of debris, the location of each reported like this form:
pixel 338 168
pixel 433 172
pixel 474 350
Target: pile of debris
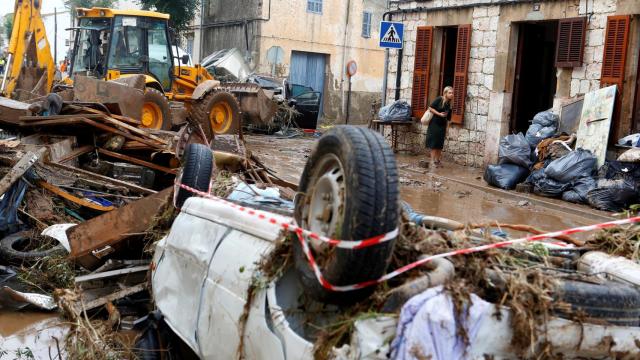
pixel 86 190
pixel 549 164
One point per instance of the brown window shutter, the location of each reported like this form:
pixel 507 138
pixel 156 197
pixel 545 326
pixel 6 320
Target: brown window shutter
pixel 570 44
pixel 615 51
pixel 463 46
pixel 421 69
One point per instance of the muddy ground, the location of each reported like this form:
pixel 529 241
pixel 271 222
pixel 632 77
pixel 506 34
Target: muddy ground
pixel 434 192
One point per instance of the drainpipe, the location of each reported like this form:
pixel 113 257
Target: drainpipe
pixel 343 70
pixel 386 63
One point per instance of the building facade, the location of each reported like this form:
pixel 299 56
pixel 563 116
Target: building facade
pixel 509 60
pixel 309 42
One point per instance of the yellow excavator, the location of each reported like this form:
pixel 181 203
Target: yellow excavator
pixel 111 44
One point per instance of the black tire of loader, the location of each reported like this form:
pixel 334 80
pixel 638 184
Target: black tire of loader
pixel 371 208
pixel 615 303
pixel 10 244
pixel 155 96
pixel 196 172
pixel 201 109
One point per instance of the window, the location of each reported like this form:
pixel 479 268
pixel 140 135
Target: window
pixel 570 44
pixel 366 24
pixel 314 6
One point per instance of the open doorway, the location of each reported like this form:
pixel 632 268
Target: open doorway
pixel 448 60
pixel 535 75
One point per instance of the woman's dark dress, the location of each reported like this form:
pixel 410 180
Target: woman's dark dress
pixel 438 125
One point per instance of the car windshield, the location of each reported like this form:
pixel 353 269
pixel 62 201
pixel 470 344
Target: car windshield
pixel 93 40
pixel 126 48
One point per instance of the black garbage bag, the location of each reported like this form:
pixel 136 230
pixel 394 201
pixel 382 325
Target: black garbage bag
pixel 549 187
pixel 613 195
pixel 537 133
pixel 579 190
pixel 399 110
pixel 546 119
pixel 618 170
pixel 576 164
pixel 535 176
pixel 505 176
pixel 514 149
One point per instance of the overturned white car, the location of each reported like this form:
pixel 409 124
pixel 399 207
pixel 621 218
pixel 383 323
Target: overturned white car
pixel 209 285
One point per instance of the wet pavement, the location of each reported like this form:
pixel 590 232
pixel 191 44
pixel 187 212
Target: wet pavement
pixel 467 200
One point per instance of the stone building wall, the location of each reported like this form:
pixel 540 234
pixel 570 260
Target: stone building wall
pixel 492 63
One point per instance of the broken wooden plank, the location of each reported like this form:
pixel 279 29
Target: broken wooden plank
pixel 86 109
pixel 25 163
pixel 79 307
pixel 137 161
pixel 122 133
pixel 115 226
pixel 70 121
pixel 130 186
pixel 57 117
pixel 68 196
pixel 133 129
pixel 75 153
pixel 111 273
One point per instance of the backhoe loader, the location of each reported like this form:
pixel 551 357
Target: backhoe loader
pixel 112 44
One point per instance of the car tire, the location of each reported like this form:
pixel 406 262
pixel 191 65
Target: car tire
pixel 196 172
pixel 367 179
pixel 10 249
pixel 613 302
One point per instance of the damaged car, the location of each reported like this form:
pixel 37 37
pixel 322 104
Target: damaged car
pixel 231 281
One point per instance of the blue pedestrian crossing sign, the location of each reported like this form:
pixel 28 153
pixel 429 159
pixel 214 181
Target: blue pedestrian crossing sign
pixel 391 34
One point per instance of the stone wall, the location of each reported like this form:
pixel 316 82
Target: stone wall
pixel 492 67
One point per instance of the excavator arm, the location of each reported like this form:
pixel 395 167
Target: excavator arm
pixel 30 66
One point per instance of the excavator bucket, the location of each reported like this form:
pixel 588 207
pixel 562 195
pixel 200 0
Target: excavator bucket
pixel 256 104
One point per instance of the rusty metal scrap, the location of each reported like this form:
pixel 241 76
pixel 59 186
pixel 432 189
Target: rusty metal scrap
pixel 114 226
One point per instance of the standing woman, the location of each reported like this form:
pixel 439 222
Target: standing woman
pixel 441 110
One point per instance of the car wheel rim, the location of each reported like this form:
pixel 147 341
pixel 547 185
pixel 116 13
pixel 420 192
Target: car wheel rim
pixel 220 117
pixel 326 202
pixel 151 116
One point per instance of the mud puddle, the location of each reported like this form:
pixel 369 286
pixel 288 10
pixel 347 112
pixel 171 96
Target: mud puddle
pixel 25 333
pixel 424 193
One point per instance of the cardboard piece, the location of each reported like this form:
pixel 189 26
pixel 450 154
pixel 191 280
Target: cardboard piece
pixel 595 122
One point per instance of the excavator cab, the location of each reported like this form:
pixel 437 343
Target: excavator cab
pixel 112 44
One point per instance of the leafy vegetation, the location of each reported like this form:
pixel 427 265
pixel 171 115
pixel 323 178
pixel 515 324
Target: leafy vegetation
pixel 182 11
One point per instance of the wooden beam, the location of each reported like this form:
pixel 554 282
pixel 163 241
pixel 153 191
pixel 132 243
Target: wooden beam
pixel 138 161
pixel 125 134
pixel 79 307
pixel 16 172
pixel 77 152
pixel 57 117
pixel 133 129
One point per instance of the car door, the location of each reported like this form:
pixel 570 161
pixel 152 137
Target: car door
pixel 308 105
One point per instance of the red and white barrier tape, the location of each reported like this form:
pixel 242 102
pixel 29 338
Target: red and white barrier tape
pixel 302 234
pixel 480 248
pixel 263 215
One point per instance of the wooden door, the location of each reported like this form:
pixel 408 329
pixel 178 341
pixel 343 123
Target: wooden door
pixel 614 60
pixel 463 47
pixel 421 70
